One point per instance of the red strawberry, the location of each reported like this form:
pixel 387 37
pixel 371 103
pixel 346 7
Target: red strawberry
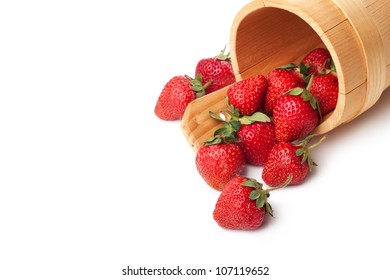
pixel 254 134
pixel 295 115
pixel 325 88
pixel 280 81
pixel 236 210
pixel 243 204
pixel 318 60
pixel 217 70
pixel 218 163
pixel 256 141
pixel 287 158
pixel 248 95
pixel 283 161
pixel 177 93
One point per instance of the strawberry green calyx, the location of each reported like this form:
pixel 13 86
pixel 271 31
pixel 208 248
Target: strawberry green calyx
pixel 255 117
pixel 325 70
pixel 225 134
pixel 290 66
pixel 198 86
pixel 222 56
pixel 235 115
pixel 304 149
pixel 305 69
pixel 302 69
pixel 306 95
pixel 333 67
pixel 306 72
pixel 232 124
pixel 261 195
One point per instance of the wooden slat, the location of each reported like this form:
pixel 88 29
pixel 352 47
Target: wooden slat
pixel 269 33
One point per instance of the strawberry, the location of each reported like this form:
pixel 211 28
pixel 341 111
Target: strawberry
pixel 218 163
pixel 236 210
pixel 325 89
pixel 177 93
pixel 287 158
pixel 295 115
pixel 248 95
pixel 280 81
pixel 283 160
pixel 318 61
pixel 256 141
pixel 254 134
pixel 216 70
pixel 243 204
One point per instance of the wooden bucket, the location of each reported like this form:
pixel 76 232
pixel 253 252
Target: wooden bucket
pixel 266 34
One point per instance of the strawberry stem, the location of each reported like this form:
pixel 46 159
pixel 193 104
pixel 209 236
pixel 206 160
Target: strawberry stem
pixel 223 56
pixel 303 151
pixel 232 124
pixel 260 196
pixel 197 85
pixel 316 144
pixel 285 184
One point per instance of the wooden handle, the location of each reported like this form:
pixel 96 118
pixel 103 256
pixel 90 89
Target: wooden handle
pixel 196 124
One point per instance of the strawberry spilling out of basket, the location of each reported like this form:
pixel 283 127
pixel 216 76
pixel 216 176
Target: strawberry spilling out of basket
pixel 268 122
pixel 211 74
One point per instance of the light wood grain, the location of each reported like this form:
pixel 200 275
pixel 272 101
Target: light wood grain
pixel 269 33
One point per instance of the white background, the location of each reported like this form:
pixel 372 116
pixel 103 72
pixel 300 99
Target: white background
pixel 92 182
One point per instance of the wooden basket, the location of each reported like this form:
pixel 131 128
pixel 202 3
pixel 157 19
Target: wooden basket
pixel 266 34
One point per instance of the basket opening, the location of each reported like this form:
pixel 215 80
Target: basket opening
pixel 270 37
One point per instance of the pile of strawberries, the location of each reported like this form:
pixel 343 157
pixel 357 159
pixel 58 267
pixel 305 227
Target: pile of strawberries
pixel 268 122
